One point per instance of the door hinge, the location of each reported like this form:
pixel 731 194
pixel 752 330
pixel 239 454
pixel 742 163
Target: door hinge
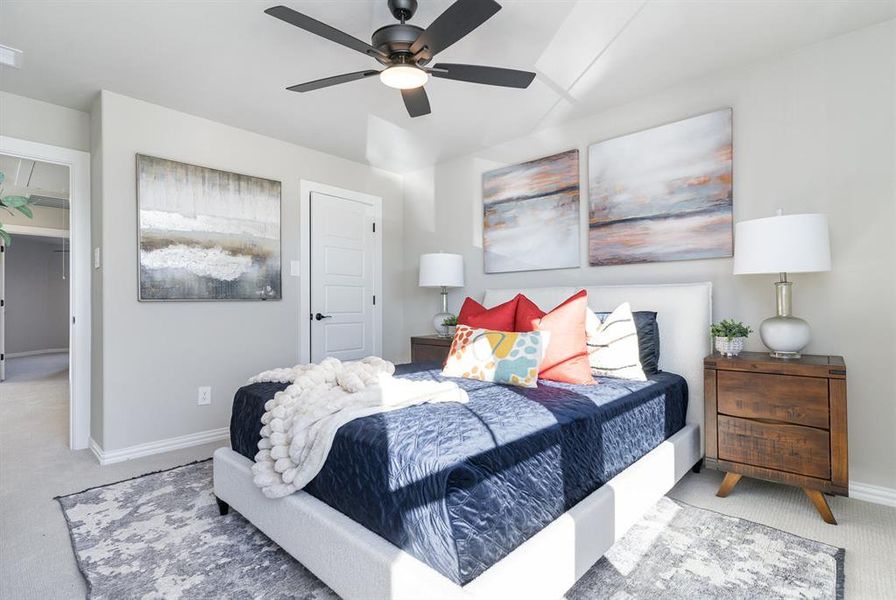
pixel 73 320
pixel 374 300
pixel 2 357
pixel 2 302
pixel 374 227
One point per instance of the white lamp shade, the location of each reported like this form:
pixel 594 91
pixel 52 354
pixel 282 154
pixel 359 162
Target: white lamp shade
pixel 782 244
pixel 441 270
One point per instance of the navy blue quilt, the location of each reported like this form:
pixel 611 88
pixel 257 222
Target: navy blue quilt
pixel 459 486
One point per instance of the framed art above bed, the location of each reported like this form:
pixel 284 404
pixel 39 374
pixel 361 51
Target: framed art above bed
pixel 531 215
pixel 662 194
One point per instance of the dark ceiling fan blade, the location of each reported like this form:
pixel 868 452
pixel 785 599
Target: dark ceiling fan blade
pixel 328 81
pixel 486 75
pixel 323 30
pixel 458 20
pixel 416 101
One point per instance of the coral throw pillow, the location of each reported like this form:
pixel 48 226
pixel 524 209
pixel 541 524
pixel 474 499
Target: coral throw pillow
pixel 566 358
pixel 498 356
pixel 498 318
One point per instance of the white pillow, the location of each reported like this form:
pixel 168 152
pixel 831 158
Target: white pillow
pixel 613 345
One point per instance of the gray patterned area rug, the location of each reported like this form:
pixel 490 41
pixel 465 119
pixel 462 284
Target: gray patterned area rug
pixel 160 536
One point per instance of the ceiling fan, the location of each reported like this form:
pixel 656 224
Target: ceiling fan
pixel 406 50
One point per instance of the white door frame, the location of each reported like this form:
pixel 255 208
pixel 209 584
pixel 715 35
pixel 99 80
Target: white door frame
pixel 78 164
pixel 306 188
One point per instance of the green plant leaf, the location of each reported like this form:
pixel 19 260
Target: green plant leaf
pixel 16 201
pixel 25 211
pixel 7 241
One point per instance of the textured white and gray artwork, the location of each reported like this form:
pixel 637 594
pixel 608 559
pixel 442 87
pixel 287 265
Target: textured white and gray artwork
pixel 206 234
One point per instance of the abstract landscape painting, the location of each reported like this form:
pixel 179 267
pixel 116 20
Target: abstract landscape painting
pixel 662 194
pixel 531 215
pixel 206 234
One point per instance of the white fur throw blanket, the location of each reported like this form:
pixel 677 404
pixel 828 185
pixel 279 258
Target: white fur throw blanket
pixel 300 423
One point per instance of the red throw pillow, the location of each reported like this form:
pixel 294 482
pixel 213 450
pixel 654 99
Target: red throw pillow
pixel 566 359
pixel 527 316
pixel 499 318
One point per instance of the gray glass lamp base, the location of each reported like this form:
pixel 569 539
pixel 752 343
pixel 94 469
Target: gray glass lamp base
pixel 437 321
pixel 437 324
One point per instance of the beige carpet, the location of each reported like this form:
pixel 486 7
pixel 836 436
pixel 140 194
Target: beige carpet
pixel 36 560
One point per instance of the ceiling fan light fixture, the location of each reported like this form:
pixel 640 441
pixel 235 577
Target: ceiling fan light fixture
pixel 404 77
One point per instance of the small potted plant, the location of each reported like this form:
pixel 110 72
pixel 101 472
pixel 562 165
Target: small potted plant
pixel 450 325
pixel 730 336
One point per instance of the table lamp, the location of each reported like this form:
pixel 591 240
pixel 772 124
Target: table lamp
pixel 783 244
pixel 441 271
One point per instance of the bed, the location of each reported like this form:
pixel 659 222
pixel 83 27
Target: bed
pixel 516 494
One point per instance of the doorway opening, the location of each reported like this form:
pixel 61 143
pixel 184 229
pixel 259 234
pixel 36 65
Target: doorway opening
pixel 45 292
pixel 35 297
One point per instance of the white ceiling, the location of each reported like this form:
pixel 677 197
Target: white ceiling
pixel 228 61
pixel 47 183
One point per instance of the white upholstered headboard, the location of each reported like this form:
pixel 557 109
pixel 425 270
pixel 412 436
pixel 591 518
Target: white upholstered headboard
pixel 684 314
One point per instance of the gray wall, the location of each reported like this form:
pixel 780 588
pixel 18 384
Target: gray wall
pixel 36 296
pixel 155 354
pixel 813 132
pixel 96 279
pixel 38 121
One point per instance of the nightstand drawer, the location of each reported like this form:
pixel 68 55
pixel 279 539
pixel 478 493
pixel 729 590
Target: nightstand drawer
pixel 792 448
pixel 788 398
pixel 430 348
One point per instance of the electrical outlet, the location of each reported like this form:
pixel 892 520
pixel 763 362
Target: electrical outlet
pixel 205 396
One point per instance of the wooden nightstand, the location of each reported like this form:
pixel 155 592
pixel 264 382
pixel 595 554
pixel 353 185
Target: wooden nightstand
pixel 779 420
pixel 430 348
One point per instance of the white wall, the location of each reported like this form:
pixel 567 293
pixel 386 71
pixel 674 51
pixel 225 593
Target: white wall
pixel 37 296
pixel 38 121
pixel 813 132
pixel 155 354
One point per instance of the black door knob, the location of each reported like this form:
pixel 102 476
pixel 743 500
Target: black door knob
pixel 321 317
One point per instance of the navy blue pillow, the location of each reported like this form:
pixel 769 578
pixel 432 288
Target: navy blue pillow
pixel 648 339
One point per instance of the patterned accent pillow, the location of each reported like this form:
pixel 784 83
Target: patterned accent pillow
pixel 648 338
pixel 613 344
pixel 498 356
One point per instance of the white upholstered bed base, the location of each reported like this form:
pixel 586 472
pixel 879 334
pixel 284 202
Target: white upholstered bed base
pixel 358 564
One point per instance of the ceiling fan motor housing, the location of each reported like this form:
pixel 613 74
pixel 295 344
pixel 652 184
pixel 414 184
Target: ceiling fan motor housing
pixel 396 39
pixel 403 10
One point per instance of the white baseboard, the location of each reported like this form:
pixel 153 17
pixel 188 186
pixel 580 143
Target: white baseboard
pixel 36 352
pixel 107 457
pixel 872 493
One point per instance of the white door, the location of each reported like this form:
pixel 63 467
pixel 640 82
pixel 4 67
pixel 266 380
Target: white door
pixel 2 312
pixel 344 259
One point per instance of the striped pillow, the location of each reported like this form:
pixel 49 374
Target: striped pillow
pixel 613 344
